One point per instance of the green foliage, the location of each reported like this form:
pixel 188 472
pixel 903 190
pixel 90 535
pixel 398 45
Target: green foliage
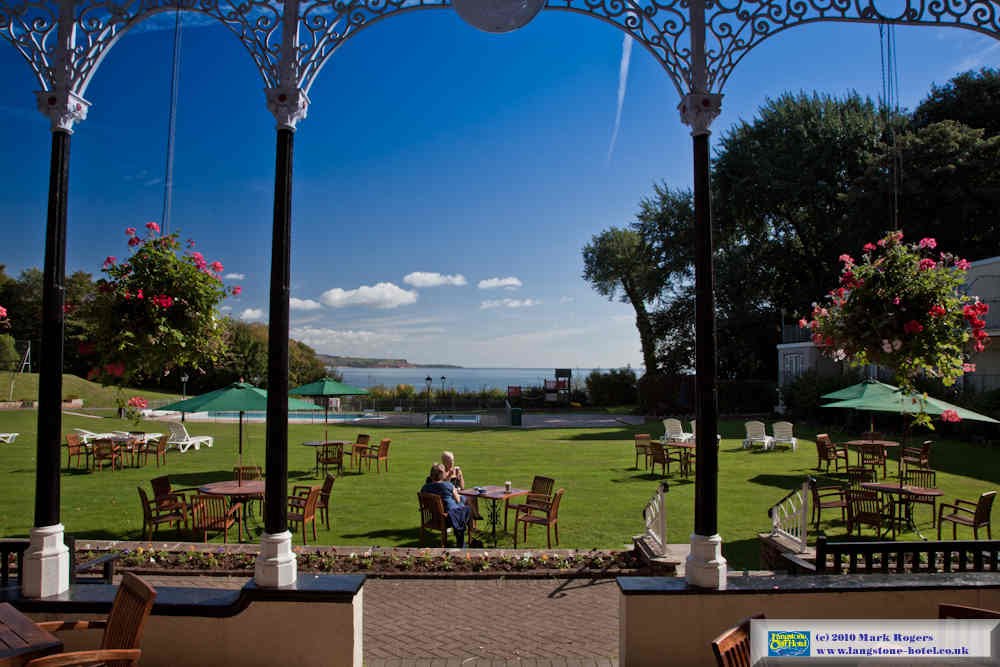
pixel 156 311
pixel 616 387
pixel 901 309
pixel 971 98
pixel 802 395
pixel 8 353
pixel 303 365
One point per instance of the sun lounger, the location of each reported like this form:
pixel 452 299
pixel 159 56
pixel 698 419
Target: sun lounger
pixel 180 438
pixel 8 438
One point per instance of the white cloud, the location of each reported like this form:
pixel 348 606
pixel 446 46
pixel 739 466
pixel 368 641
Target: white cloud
pixel 566 299
pixel 252 315
pixel 431 279
pixel 235 276
pixel 349 342
pixel 492 283
pixel 303 304
pixel 226 309
pixel 380 295
pixel 622 83
pixel 508 303
pixel 979 59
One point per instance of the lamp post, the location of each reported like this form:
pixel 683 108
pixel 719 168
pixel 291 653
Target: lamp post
pixel 428 381
pixel 184 391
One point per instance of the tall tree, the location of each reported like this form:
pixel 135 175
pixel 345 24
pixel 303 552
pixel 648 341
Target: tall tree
pixel 971 98
pixel 618 263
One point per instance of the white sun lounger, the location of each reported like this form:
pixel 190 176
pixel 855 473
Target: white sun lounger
pixel 8 438
pixel 180 438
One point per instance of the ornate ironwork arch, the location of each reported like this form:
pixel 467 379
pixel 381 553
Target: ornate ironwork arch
pixel 31 27
pixel 737 26
pixel 658 25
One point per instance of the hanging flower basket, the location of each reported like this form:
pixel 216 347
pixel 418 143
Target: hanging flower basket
pixel 900 307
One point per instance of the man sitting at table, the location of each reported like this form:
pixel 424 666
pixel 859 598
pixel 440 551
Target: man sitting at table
pixel 458 512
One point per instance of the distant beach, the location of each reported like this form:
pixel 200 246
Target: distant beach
pixel 460 379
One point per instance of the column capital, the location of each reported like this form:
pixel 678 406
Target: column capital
pixel 698 110
pixel 289 105
pixel 62 108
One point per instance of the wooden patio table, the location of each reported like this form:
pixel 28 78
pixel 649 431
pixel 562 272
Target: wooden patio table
pixel 21 640
pixel 251 489
pixel 904 491
pixel 494 494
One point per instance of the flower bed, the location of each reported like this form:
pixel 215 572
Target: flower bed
pixel 239 561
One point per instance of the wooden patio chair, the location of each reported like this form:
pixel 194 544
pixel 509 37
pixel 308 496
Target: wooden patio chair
pixel 377 454
pixel 856 476
pixel 540 496
pixel 215 514
pixel 866 507
pixel 827 497
pixel 924 478
pixel 157 448
pixel 122 629
pixel 642 449
pixel 361 444
pixel 76 449
pixel 968 513
pixel 165 495
pixel 154 514
pixel 433 516
pixel 106 452
pixel 917 456
pixel 302 510
pixel 961 611
pixel 827 451
pixel 872 456
pixel 323 505
pixel 248 473
pixel 732 647
pixel 550 519
pixel 330 454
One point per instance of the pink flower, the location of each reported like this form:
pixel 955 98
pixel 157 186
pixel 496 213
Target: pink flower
pixel 130 231
pixel 109 261
pixel 913 327
pixel 937 310
pixel 153 227
pixel 962 265
pixel 979 346
pixel 846 259
pixel 163 301
pixel 928 243
pixel 138 294
pixel 950 416
pixel 968 368
pixel 3 313
pixel 868 247
pixel 134 241
pixel 137 402
pixel 216 267
pixel 881 243
pixel 895 301
pixel 927 263
pixel 116 368
pixel 239 290
pixel 803 323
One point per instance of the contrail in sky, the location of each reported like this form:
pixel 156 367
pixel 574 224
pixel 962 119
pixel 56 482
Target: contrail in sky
pixel 622 83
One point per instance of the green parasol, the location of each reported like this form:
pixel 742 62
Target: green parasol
pixel 901 403
pixel 328 387
pixel 237 397
pixel 865 388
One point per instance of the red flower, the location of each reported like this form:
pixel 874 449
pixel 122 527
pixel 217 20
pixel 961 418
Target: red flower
pixel 163 301
pixel 868 247
pixel 138 294
pixel 137 402
pixel 239 290
pixel 134 241
pixel 927 263
pixel 803 323
pixel 153 227
pixel 913 327
pixel 962 264
pixel 116 368
pixel 846 259
pixel 928 243
pixel 110 261
pixel 3 313
pixel 216 267
pixel 968 368
pixel 950 416
pixel 937 310
pixel 130 231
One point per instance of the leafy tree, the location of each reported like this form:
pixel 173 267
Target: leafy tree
pixel 619 263
pixel 616 387
pixel 23 296
pixel 8 353
pixel 303 364
pixel 971 98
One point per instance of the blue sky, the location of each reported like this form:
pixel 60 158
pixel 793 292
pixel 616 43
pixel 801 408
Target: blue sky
pixel 429 148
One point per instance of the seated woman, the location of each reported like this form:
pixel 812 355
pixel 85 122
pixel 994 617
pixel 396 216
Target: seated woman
pixel 459 513
pixel 453 474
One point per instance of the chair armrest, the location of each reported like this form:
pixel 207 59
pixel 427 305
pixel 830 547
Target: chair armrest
pixel 298 502
pixel 100 656
pixel 234 510
pixel 298 489
pixel 957 508
pixel 959 501
pixel 59 626
pixel 829 491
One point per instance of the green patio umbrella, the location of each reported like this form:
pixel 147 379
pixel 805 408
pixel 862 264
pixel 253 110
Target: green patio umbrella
pixel 865 388
pixel 237 397
pixel 882 400
pixel 328 387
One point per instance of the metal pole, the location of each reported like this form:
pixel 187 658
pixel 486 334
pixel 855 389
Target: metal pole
pixel 50 367
pixel 276 456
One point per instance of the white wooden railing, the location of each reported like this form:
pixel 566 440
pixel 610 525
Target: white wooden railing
pixel 655 514
pixel 790 516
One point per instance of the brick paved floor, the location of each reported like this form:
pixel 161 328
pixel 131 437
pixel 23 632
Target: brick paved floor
pixel 492 622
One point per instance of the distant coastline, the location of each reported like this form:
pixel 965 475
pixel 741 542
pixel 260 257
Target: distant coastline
pixel 366 362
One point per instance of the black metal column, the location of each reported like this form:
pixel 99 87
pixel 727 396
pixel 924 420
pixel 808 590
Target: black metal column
pixel 50 368
pixel 276 457
pixel 706 481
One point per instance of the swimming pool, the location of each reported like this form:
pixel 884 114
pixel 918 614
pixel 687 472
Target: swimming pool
pixel 455 420
pixel 307 417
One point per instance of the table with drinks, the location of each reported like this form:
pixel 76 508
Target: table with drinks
pixel 494 494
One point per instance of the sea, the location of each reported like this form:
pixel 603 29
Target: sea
pixel 461 379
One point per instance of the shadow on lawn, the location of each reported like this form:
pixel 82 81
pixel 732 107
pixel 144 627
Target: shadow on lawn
pixel 784 482
pixel 742 554
pixel 199 478
pixel 406 537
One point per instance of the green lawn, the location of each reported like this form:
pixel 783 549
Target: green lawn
pixel 601 508
pixel 95 396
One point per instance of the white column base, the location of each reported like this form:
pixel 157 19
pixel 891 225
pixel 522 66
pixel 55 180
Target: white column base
pixel 276 566
pixel 46 563
pixel 705 566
